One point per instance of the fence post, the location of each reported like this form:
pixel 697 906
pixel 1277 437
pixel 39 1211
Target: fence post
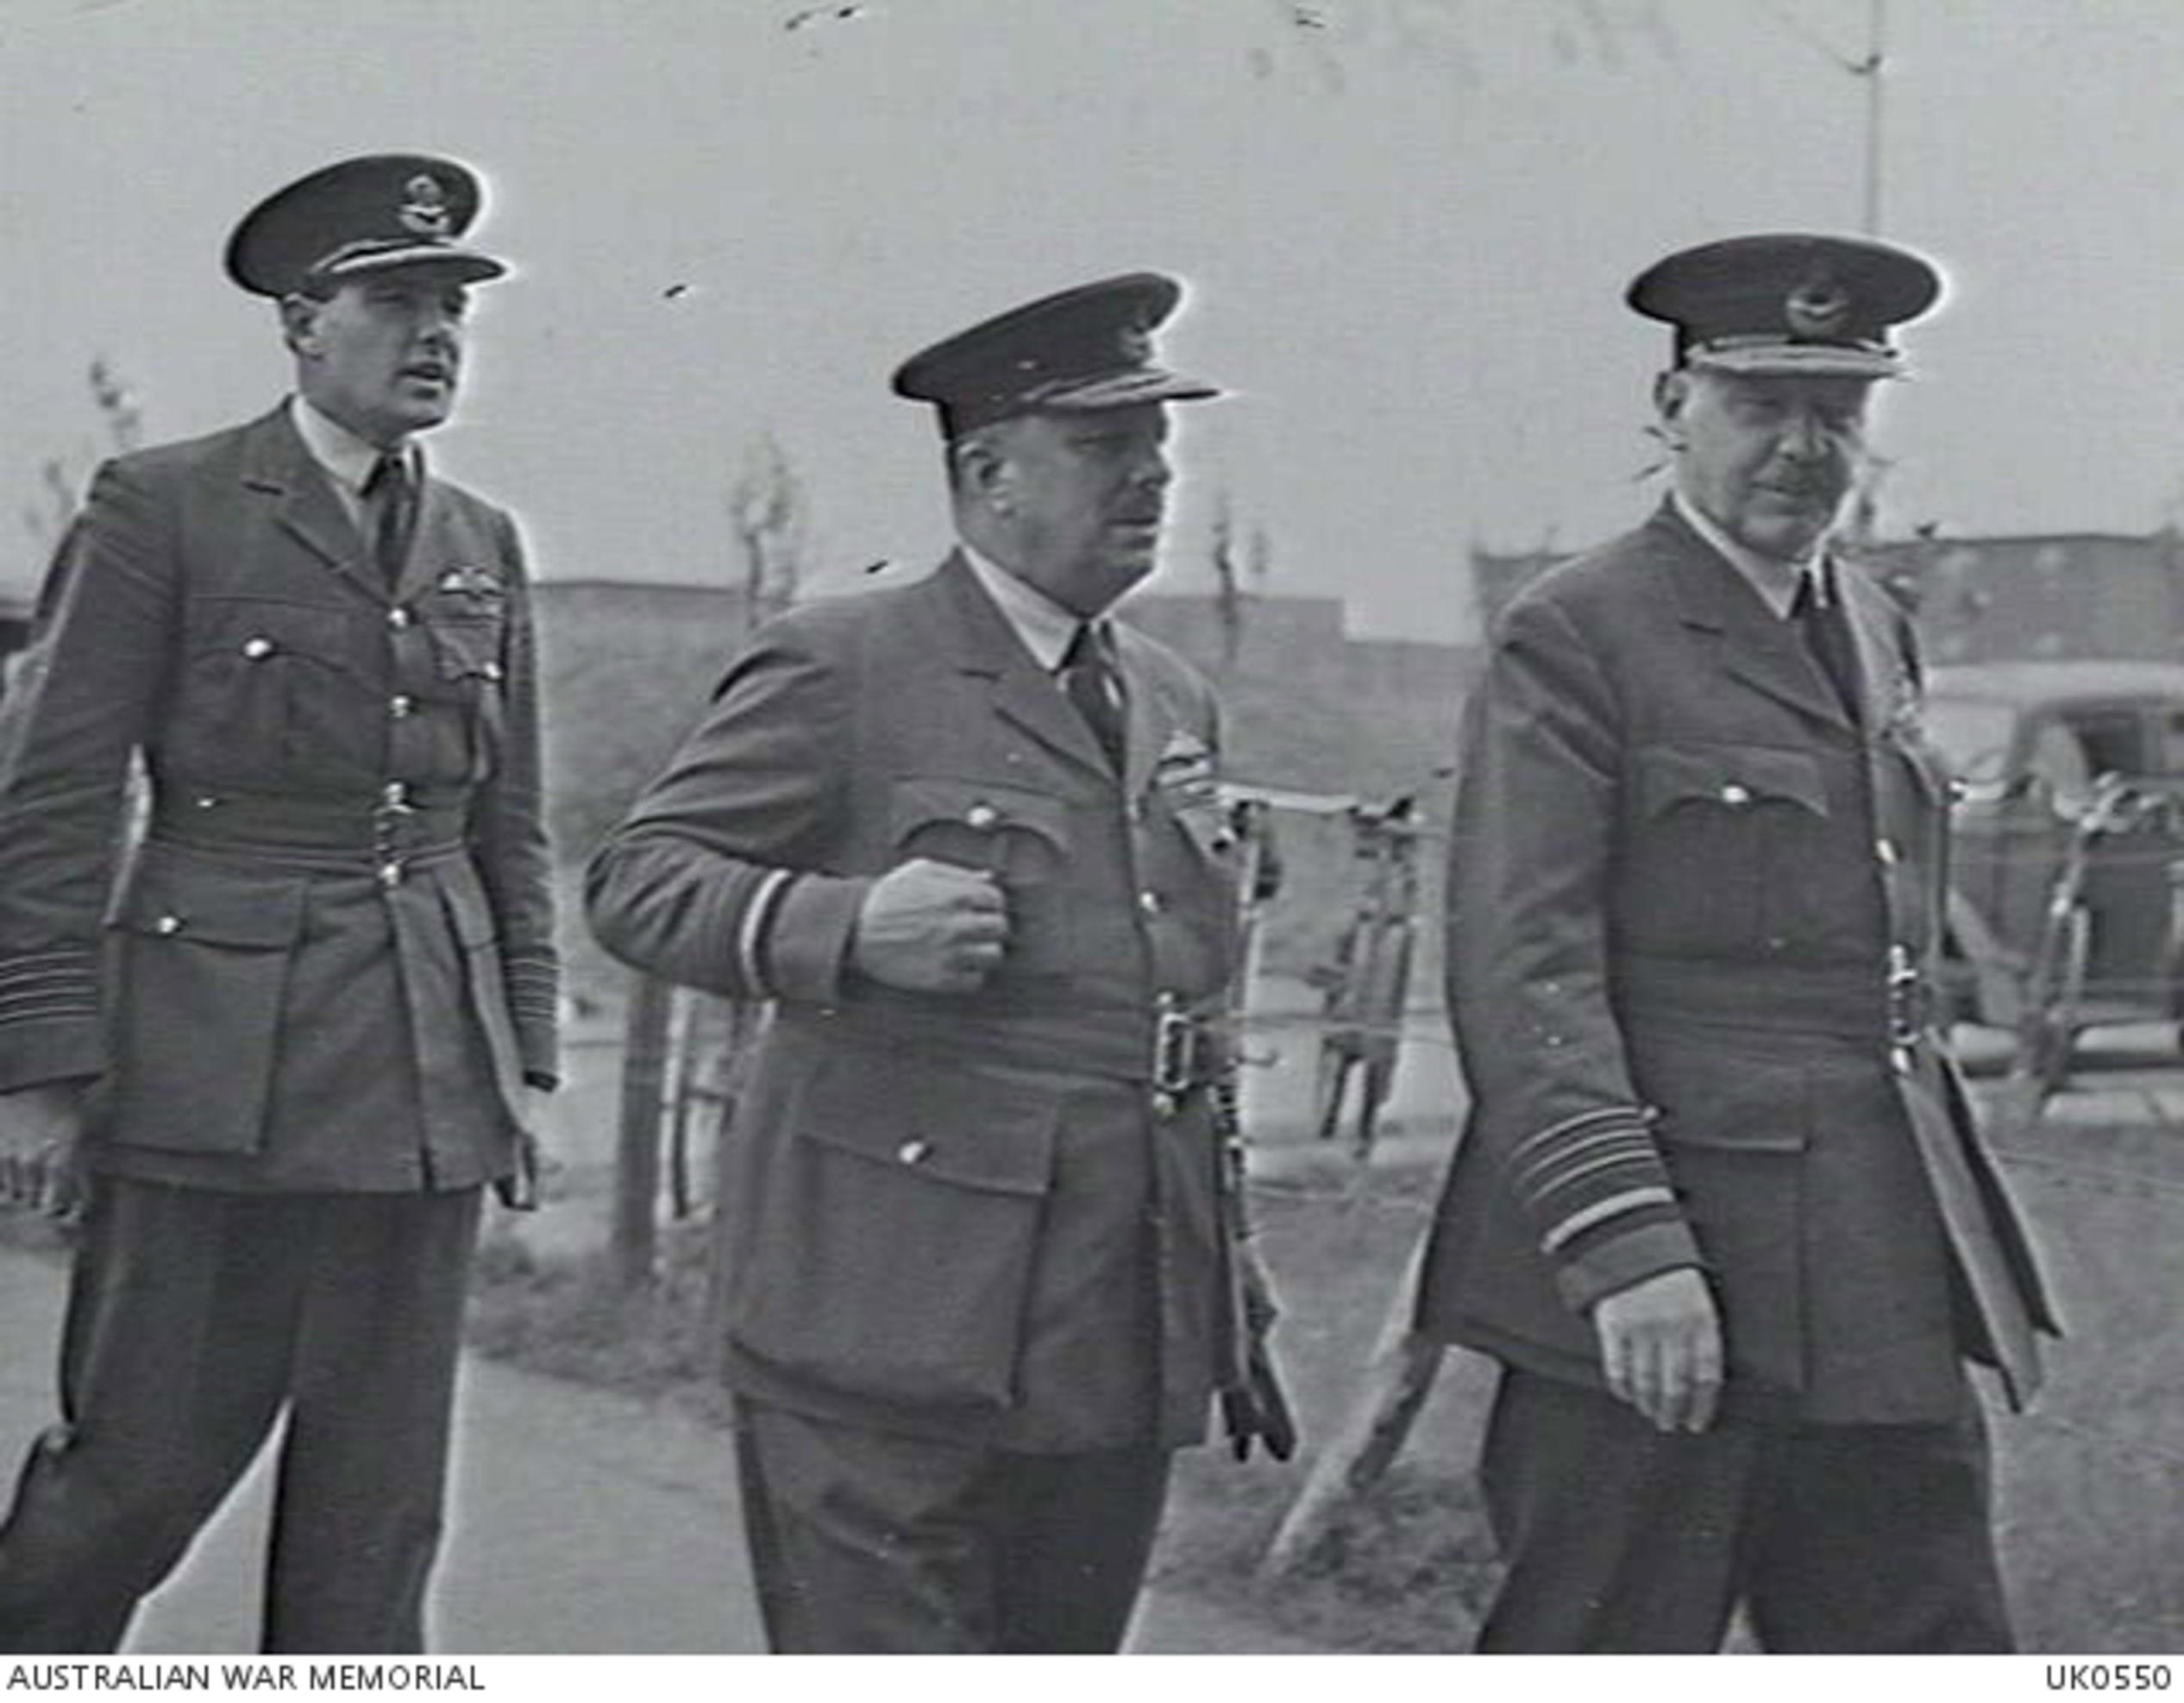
pixel 1398 1377
pixel 632 1242
pixel 745 1019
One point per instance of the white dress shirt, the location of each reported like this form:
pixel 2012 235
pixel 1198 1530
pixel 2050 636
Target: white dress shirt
pixel 348 460
pixel 1045 626
pixel 1776 581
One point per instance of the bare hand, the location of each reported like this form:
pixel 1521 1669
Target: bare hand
pixel 38 1130
pixel 931 927
pixel 1660 1348
pixel 518 1190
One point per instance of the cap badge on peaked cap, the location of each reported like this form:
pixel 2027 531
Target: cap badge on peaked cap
pixel 426 211
pixel 1085 348
pixel 1788 303
pixel 1819 307
pixel 378 213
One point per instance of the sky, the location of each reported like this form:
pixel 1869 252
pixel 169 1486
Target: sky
pixel 1406 226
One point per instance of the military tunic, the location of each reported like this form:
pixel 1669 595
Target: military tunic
pixel 304 977
pixel 955 1214
pixel 981 1277
pixel 1693 894
pixel 1692 901
pixel 329 964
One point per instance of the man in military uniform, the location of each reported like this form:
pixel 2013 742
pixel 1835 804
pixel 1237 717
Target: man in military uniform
pixel 1719 1208
pixel 297 1036
pixel 965 833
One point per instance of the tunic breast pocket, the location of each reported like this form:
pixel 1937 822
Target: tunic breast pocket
pixel 469 638
pixel 466 622
pixel 1720 829
pixel 270 692
pixel 1019 836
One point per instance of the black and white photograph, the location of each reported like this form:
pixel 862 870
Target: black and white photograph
pixel 1168 828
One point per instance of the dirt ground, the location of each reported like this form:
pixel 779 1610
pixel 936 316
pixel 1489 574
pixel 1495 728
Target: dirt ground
pixel 2090 1483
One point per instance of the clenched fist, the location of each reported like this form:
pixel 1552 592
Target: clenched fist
pixel 931 927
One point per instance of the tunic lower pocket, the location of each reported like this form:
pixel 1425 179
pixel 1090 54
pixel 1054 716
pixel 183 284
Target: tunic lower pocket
pixel 891 1252
pixel 201 959
pixel 1734 1129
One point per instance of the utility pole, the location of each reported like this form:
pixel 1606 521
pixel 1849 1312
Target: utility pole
pixel 1871 65
pixel 1871 69
pixel 1866 517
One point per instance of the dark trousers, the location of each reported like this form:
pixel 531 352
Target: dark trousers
pixel 1865 1539
pixel 866 1541
pixel 194 1319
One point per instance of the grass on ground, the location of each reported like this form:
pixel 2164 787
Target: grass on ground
pixel 1404 1568
pixel 2086 1483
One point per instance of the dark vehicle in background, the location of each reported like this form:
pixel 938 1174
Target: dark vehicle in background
pixel 2068 847
pixel 15 631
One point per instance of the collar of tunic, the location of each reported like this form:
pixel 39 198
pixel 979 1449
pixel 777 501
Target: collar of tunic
pixel 1044 626
pixel 1777 581
pixel 347 459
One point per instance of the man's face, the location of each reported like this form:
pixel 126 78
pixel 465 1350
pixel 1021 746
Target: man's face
pixel 382 357
pixel 1084 494
pixel 1768 458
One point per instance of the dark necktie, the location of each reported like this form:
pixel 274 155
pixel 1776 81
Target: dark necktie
pixel 1095 686
pixel 1827 636
pixel 390 514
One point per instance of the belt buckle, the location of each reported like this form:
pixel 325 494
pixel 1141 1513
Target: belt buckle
pixel 1175 1051
pixel 1905 989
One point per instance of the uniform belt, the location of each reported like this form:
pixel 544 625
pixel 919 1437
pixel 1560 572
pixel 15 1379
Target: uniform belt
pixel 1886 1000
pixel 397 821
pixel 1166 1048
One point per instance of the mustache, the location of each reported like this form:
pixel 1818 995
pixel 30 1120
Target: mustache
pixel 1803 489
